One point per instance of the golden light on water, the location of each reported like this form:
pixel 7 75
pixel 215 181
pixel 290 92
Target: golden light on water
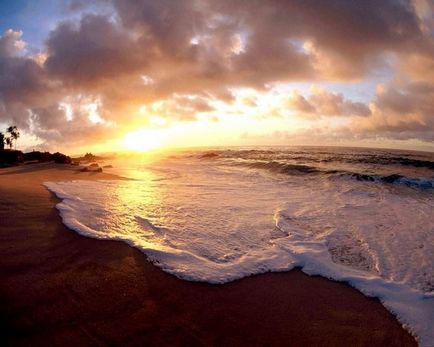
pixel 143 140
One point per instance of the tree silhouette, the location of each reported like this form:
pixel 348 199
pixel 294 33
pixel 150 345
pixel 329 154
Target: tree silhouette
pixel 2 142
pixel 9 142
pixel 14 135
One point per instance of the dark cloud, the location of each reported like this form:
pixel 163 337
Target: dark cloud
pixel 94 51
pixel 22 81
pixel 346 37
pixel 191 45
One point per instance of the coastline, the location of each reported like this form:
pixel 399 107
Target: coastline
pixel 60 288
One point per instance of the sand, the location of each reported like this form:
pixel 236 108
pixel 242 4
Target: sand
pixel 60 288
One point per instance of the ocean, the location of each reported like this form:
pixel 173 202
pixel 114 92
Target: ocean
pixel 362 216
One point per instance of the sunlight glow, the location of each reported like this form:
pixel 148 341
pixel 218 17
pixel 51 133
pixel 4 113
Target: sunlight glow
pixel 143 140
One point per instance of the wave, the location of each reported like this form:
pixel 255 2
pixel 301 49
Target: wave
pixel 412 182
pixel 284 168
pixel 404 161
pixel 209 155
pixel 326 234
pixel 300 169
pixel 324 157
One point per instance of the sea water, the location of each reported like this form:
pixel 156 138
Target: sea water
pixel 365 217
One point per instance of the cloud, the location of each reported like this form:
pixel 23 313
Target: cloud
pixel 343 39
pixel 93 51
pixel 197 51
pixel 400 112
pixel 322 103
pixel 417 66
pixel 23 81
pixel 178 108
pixel 11 43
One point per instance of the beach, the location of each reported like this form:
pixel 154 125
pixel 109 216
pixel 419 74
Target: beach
pixel 60 288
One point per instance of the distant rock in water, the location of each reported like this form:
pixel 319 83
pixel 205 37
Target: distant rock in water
pixel 108 166
pixel 88 157
pixel 61 158
pixel 94 167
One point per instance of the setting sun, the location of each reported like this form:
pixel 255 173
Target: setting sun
pixel 143 140
pixel 253 142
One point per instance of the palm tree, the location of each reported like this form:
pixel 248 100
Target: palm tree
pixel 15 134
pixel 9 142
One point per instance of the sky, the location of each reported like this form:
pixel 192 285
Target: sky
pixel 109 75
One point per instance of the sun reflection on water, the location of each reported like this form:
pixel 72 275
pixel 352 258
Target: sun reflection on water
pixel 141 204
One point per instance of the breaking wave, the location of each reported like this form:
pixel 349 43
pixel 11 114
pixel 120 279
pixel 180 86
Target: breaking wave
pixel 391 179
pixel 223 215
pixel 301 169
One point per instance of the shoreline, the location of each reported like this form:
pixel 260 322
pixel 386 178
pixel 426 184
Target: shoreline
pixel 62 288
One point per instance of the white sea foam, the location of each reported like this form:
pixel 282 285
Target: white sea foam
pixel 214 223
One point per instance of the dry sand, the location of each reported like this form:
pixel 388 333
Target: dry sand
pixel 60 288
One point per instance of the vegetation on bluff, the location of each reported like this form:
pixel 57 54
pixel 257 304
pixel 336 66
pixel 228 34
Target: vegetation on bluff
pixel 9 156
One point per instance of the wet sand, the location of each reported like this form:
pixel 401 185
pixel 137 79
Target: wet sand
pixel 60 288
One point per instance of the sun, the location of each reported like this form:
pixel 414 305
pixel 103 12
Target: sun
pixel 143 140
